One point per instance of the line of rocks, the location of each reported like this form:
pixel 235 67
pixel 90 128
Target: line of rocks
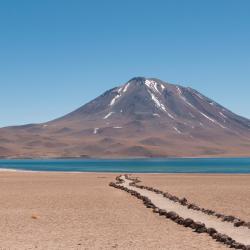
pixel 184 202
pixel 198 227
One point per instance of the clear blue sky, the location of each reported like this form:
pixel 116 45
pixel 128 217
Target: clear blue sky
pixel 56 55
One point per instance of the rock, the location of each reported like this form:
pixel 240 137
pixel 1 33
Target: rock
pixel 179 220
pixel 193 225
pixel 187 222
pixel 201 230
pixel 228 218
pixel 237 245
pixel 219 237
pixel 215 235
pixel 248 247
pixel 175 198
pixel 193 206
pixel 211 212
pixel 162 212
pixel 228 242
pixel 172 215
pixel 156 210
pixel 183 201
pixel 239 223
pixel 241 246
pixel 167 195
pixel 199 224
pixel 211 231
pixel 150 205
pixel 196 208
pixel 218 215
pixel 223 238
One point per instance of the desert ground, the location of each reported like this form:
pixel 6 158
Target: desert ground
pixel 80 210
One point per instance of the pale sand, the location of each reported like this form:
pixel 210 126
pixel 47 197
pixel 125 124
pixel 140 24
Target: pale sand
pixel 80 211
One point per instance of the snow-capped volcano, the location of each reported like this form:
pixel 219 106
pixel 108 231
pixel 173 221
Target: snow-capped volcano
pixel 143 117
pixel 142 98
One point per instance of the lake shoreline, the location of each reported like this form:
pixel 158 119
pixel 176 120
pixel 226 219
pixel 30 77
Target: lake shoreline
pixel 117 173
pixel 178 165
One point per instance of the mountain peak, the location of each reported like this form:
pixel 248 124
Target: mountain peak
pixel 151 83
pixel 137 79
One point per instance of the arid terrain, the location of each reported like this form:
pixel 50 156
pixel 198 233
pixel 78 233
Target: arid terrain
pixel 80 210
pixel 144 117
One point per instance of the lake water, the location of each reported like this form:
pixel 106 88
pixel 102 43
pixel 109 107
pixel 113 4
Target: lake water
pixel 180 165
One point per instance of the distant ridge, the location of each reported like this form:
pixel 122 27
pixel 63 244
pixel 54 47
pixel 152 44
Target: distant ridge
pixel 145 117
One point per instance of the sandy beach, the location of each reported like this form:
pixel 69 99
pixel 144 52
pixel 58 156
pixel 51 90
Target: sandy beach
pixel 80 210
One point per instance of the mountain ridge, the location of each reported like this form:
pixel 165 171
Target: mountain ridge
pixel 145 117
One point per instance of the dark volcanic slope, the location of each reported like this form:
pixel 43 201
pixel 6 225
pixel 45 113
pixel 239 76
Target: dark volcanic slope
pixel 144 117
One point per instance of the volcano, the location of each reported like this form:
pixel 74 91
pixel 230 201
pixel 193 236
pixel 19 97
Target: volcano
pixel 145 117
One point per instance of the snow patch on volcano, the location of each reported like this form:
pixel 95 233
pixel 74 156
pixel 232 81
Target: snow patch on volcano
pixel 152 85
pixel 126 87
pixel 177 130
pixel 95 131
pixel 204 115
pixel 108 115
pixel 223 115
pixel 179 90
pixel 114 100
pixel 159 104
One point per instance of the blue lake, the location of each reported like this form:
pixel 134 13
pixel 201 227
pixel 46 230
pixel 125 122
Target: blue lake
pixel 180 165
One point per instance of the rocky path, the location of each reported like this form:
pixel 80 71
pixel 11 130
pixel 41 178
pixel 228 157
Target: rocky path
pixel 240 235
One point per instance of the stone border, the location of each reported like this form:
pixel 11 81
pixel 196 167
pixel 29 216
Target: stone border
pixel 198 227
pixel 184 202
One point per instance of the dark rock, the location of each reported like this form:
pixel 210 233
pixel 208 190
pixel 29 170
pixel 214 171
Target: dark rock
pixel 196 208
pixel 211 231
pixel 241 246
pixel 228 218
pixel 193 225
pixel 239 223
pixel 162 212
pixel 183 201
pixel 237 245
pixel 228 242
pixel 201 230
pixel 149 205
pixel 172 215
pixel 218 215
pixel 215 235
pixel 223 238
pixel 167 195
pixel 187 222
pixel 179 220
pixel 156 210
pixel 199 225
pixel 174 198
pixel 193 206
